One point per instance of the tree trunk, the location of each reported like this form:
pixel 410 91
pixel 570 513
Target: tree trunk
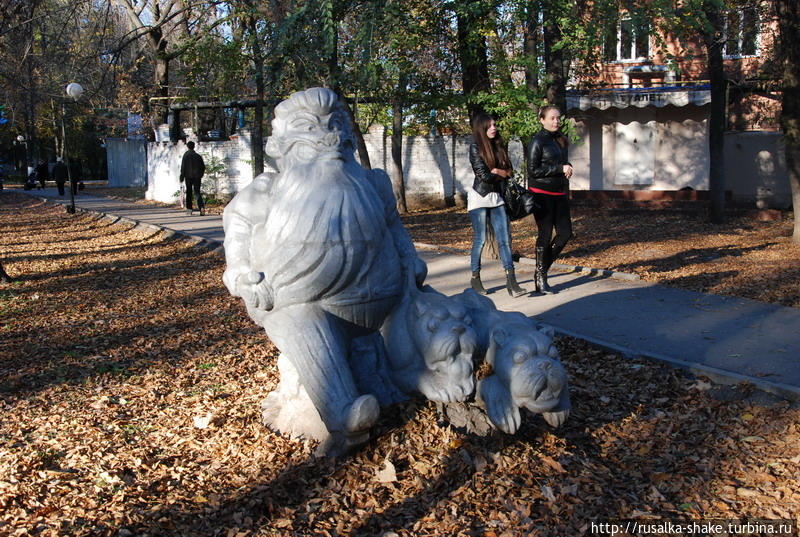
pixel 499 56
pixel 788 12
pixel 554 58
pixel 161 79
pixel 530 45
pixel 472 52
pixel 716 122
pixel 361 145
pixel 257 136
pixel 398 182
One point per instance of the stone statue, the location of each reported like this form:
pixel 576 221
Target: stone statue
pixel 323 263
pixel 525 371
pixel 430 346
pixel 319 255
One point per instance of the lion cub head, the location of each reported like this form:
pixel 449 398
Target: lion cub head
pixel 430 342
pixel 526 374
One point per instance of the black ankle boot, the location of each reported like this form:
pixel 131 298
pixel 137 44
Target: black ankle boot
pixel 513 287
pixel 541 271
pixel 476 283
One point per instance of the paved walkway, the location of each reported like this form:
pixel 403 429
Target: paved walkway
pixel 728 339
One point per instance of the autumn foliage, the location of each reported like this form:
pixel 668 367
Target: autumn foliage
pixel 129 391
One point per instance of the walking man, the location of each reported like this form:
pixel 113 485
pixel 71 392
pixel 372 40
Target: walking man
pixel 60 175
pixel 192 170
pixel 42 174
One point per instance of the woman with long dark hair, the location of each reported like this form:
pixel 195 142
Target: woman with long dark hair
pixel 549 172
pixel 492 167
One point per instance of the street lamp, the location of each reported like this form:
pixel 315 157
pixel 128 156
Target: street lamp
pixel 21 141
pixel 74 90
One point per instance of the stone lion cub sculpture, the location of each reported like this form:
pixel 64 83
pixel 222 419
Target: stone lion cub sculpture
pixel 430 346
pixel 526 372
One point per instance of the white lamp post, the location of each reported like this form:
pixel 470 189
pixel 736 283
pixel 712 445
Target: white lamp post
pixel 74 90
pixel 24 143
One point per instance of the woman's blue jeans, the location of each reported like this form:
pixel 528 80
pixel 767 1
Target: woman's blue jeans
pixel 497 216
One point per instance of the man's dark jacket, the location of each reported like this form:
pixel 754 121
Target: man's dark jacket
pixel 192 166
pixel 60 172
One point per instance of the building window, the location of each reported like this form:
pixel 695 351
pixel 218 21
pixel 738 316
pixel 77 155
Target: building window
pixel 741 33
pixel 629 40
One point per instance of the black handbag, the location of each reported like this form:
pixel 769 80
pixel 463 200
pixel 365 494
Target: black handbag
pixel 519 200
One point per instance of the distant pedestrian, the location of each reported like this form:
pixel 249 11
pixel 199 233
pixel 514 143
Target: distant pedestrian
pixel 485 205
pixel 42 174
pixel 76 176
pixel 192 170
pixel 549 172
pixel 60 175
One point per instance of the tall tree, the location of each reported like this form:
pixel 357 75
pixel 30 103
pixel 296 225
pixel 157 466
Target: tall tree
pixel 555 61
pixel 398 178
pixel 169 29
pixel 714 39
pixel 788 12
pixel 703 20
pixel 471 19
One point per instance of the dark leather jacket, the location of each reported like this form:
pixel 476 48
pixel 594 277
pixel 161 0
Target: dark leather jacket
pixel 485 181
pixel 546 159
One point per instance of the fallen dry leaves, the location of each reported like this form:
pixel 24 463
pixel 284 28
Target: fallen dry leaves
pixel 129 390
pixel 742 257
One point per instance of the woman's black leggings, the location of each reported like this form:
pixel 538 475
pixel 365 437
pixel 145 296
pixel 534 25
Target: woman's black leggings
pixel 552 212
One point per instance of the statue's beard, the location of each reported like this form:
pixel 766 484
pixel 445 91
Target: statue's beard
pixel 324 231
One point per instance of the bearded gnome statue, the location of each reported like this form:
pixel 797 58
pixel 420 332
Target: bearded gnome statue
pixel 321 259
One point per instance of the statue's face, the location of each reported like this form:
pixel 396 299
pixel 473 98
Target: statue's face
pixel 309 137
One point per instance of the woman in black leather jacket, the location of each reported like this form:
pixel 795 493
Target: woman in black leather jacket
pixel 549 171
pixel 489 160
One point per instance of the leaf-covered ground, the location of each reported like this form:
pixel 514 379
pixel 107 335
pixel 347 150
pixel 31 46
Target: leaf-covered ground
pixel 742 257
pixel 129 391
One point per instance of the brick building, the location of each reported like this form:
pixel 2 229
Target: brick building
pixel 642 115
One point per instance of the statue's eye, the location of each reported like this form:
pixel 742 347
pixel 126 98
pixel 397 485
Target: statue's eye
pixel 433 325
pixel 311 128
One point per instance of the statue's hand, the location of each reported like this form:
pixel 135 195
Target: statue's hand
pixel 255 290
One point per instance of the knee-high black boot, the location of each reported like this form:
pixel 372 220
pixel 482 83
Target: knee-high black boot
pixel 476 283
pixel 541 271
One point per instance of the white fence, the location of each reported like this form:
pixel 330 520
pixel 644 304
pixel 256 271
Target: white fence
pixel 437 170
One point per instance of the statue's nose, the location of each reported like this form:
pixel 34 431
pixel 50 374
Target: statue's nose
pixel 458 329
pixel 331 139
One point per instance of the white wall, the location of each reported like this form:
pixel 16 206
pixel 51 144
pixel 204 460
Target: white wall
pixel 436 168
pixel 755 168
pixel 674 155
pixel 164 165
